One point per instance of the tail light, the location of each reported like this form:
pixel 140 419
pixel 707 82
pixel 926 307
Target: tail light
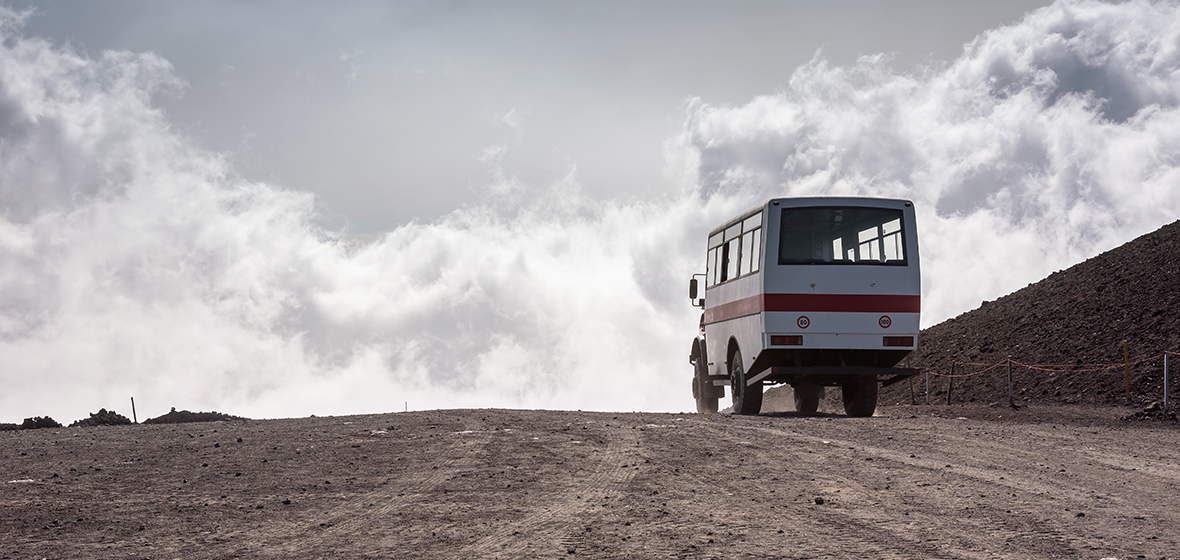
pixel 899 341
pixel 786 340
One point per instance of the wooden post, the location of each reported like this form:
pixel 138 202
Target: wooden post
pixel 133 417
pixel 950 386
pixel 927 387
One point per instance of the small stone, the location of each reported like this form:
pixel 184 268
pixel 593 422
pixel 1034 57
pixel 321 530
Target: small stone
pixel 287 502
pixel 1081 514
pixel 819 501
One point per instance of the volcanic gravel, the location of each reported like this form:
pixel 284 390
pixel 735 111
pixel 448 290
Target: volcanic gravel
pixel 1075 322
pixel 967 481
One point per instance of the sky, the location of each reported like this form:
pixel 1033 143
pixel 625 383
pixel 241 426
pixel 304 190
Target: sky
pixel 282 209
pixel 384 110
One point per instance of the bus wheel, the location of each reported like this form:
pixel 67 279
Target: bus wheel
pixel 705 404
pixel 860 395
pixel 807 397
pixel 746 400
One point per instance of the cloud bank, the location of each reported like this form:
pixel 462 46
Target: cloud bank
pixel 134 263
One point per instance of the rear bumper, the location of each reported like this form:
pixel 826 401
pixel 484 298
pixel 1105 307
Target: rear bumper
pixel 827 366
pixel 829 375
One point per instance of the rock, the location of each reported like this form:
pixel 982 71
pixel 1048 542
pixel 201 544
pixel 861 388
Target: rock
pixel 819 501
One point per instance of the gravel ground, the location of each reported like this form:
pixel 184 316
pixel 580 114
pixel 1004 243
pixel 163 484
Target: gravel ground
pixel 912 482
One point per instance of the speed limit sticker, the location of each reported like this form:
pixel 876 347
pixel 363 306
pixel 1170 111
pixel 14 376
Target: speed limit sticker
pixel 885 321
pixel 803 322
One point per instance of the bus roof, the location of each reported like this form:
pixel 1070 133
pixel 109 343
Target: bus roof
pixel 800 201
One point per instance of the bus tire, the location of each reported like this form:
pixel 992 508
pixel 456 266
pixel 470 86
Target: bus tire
pixel 700 390
pixel 706 405
pixel 807 397
pixel 746 400
pixel 860 396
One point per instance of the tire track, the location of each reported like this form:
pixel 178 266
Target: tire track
pixel 809 531
pixel 949 507
pixel 347 522
pixel 552 523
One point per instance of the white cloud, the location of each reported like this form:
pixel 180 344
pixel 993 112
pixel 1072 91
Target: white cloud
pixel 1046 142
pixel 135 264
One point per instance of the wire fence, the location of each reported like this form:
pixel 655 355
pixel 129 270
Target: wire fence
pixel 1009 363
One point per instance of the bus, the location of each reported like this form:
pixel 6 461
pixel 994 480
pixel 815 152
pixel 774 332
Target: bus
pixel 809 292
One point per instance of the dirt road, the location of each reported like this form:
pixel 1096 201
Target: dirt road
pixel 913 482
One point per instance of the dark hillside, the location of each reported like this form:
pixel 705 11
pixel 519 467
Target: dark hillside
pixel 1077 317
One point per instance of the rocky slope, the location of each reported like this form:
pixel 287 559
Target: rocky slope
pixel 1078 319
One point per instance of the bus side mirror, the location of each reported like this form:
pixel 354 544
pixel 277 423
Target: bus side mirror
pixel 692 289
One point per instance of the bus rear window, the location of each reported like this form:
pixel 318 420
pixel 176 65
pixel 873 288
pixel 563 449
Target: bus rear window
pixel 842 235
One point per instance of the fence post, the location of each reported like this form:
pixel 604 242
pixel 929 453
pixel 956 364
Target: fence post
pixel 950 387
pixel 1010 401
pixel 927 386
pixel 1166 388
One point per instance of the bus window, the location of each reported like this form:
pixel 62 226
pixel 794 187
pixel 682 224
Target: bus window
pixel 747 252
pixel 711 271
pixel 842 235
pixel 751 243
pixel 733 250
pixel 756 250
pixel 723 263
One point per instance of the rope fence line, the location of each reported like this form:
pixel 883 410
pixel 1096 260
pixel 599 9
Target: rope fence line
pixel 1044 367
pixel 1050 368
pixel 972 374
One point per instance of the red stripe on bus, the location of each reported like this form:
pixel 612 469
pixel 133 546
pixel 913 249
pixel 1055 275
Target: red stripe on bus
pixel 734 309
pixel 814 303
pixel 842 303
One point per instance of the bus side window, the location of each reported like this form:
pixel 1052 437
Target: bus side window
pixel 711 271
pixel 747 253
pixel 733 251
pixel 723 263
pixel 756 250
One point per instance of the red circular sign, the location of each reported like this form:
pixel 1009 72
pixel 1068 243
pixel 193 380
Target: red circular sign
pixel 884 321
pixel 803 322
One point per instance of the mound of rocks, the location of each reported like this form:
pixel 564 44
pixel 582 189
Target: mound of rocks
pixel 39 422
pixel 103 418
pixel 183 416
pixel 1155 411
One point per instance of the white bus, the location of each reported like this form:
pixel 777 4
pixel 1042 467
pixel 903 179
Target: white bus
pixel 810 292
